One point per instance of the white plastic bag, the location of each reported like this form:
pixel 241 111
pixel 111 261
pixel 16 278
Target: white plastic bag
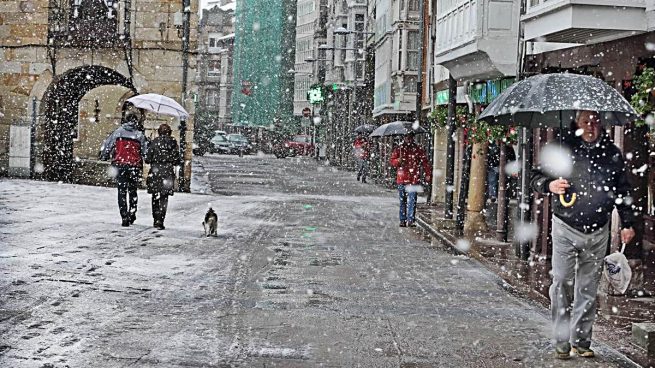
pixel 617 271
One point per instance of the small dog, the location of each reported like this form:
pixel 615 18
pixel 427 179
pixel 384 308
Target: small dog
pixel 211 223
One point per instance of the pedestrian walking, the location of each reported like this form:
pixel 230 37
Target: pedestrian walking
pixel 361 151
pixel 582 206
pixel 163 155
pixel 409 158
pixel 126 147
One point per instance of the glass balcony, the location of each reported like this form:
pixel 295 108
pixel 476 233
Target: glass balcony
pixel 477 39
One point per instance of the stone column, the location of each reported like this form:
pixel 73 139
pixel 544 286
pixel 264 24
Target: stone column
pixel 475 221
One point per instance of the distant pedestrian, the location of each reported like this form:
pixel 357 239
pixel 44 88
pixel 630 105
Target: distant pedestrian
pixel 163 155
pixel 409 158
pixel 126 147
pixel 361 151
pixel 582 206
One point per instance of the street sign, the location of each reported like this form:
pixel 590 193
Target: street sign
pixel 315 94
pixel 306 112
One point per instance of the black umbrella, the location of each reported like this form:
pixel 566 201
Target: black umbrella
pixel 552 100
pixel 365 129
pixel 397 128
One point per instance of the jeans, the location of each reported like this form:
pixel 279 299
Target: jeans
pixel 492 182
pixel 128 181
pixel 407 203
pixel 577 266
pixel 362 168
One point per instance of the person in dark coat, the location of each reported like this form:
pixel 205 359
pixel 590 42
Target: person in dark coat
pixel 163 155
pixel 582 207
pixel 126 147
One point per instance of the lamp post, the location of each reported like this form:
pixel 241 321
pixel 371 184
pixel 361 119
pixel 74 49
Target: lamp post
pixel 186 12
pixel 321 81
pixel 352 100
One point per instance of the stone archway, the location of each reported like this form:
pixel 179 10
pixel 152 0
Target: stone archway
pixel 61 101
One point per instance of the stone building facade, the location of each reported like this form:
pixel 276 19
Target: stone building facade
pixel 67 69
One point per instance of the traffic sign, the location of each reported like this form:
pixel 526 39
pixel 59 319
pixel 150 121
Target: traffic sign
pixel 315 94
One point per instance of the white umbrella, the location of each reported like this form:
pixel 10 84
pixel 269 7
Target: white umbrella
pixel 159 104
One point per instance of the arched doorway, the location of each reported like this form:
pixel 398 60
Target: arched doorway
pixel 61 101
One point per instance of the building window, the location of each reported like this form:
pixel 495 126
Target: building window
pixel 412 5
pixel 213 68
pixel 212 97
pixel 212 42
pixel 306 7
pixel 359 27
pixel 359 69
pixel 413 47
pixel 410 84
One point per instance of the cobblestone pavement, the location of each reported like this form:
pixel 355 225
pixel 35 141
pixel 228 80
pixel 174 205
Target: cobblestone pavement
pixel 309 269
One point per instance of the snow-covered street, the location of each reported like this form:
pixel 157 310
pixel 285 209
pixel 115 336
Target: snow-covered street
pixel 309 269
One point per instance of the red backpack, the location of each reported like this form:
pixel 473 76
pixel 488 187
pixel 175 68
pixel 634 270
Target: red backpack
pixel 128 152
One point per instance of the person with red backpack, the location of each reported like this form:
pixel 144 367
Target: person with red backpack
pixel 126 147
pixel 409 158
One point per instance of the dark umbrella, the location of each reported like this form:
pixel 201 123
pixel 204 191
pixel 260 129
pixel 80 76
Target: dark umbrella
pixel 552 100
pixel 397 128
pixel 365 129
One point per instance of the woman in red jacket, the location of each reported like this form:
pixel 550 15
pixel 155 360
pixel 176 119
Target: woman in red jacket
pixel 408 158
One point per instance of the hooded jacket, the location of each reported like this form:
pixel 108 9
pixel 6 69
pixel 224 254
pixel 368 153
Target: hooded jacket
pixel 599 180
pixel 413 159
pixel 126 146
pixel 361 148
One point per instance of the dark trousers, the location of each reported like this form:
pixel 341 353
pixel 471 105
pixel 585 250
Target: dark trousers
pixel 159 206
pixel 128 181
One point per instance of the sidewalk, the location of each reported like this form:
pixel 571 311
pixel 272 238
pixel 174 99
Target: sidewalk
pixel 531 279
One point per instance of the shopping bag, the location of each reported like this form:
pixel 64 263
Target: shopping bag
pixel 617 271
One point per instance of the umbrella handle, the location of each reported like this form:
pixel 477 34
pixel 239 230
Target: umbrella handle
pixel 566 203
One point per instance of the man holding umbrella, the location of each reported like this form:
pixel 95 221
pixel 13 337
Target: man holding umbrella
pixel 408 158
pixel 582 206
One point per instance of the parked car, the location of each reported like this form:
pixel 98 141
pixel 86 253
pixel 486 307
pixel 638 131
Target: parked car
pixel 220 144
pixel 281 149
pixel 241 143
pixel 301 144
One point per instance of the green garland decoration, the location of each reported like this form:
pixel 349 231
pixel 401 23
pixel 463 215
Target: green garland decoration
pixel 642 100
pixel 477 131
